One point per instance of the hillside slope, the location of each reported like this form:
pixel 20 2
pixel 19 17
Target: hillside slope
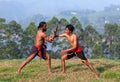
pixel 36 71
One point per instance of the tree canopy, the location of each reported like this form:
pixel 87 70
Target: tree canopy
pixel 16 42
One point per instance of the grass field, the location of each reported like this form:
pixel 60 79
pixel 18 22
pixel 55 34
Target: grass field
pixel 76 71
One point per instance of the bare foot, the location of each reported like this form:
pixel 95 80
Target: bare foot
pixel 18 72
pixel 49 72
pixel 63 71
pixel 97 76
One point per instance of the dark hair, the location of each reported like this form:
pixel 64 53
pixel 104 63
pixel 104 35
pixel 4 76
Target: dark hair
pixel 70 27
pixel 41 24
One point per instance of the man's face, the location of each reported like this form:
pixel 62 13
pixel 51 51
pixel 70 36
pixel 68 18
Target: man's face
pixel 44 27
pixel 67 31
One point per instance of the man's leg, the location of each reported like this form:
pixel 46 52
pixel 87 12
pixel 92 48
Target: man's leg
pixel 48 60
pixel 91 67
pixel 63 58
pixel 29 58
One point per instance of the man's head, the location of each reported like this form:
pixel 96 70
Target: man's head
pixel 69 28
pixel 42 25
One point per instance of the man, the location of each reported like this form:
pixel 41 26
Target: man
pixel 39 48
pixel 75 49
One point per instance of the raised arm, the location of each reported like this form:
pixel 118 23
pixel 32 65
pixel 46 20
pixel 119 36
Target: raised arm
pixel 61 35
pixel 48 38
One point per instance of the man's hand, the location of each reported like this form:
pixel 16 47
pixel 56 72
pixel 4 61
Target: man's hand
pixel 52 37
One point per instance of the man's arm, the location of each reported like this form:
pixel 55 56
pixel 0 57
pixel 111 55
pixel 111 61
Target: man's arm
pixel 48 38
pixel 60 35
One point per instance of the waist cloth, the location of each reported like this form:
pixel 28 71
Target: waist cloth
pixel 40 51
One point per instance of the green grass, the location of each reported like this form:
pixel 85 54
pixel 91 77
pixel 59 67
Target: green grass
pixel 36 71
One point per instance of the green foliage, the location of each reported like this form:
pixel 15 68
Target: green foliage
pixel 63 22
pixel 52 24
pixel 16 42
pixel 31 30
pixel 11 34
pixel 112 39
pixel 12 50
pixel 91 36
pixel 98 51
pixel 110 29
pixel 2 20
pixel 28 39
pixel 76 23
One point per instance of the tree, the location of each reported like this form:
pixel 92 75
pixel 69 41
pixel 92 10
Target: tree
pixel 110 32
pixel 28 39
pixel 91 37
pixel 62 24
pixel 111 40
pixel 98 51
pixel 14 39
pixel 11 35
pixel 12 50
pixel 3 38
pixel 76 23
pixel 2 20
pixel 53 23
pixel 15 31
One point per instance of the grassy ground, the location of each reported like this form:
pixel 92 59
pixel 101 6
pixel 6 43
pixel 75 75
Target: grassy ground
pixel 36 71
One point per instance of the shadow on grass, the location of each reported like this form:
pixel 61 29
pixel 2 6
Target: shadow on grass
pixel 105 67
pixel 57 67
pixel 75 67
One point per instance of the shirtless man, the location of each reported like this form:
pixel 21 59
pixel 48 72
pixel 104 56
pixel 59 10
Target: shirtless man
pixel 75 49
pixel 39 48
